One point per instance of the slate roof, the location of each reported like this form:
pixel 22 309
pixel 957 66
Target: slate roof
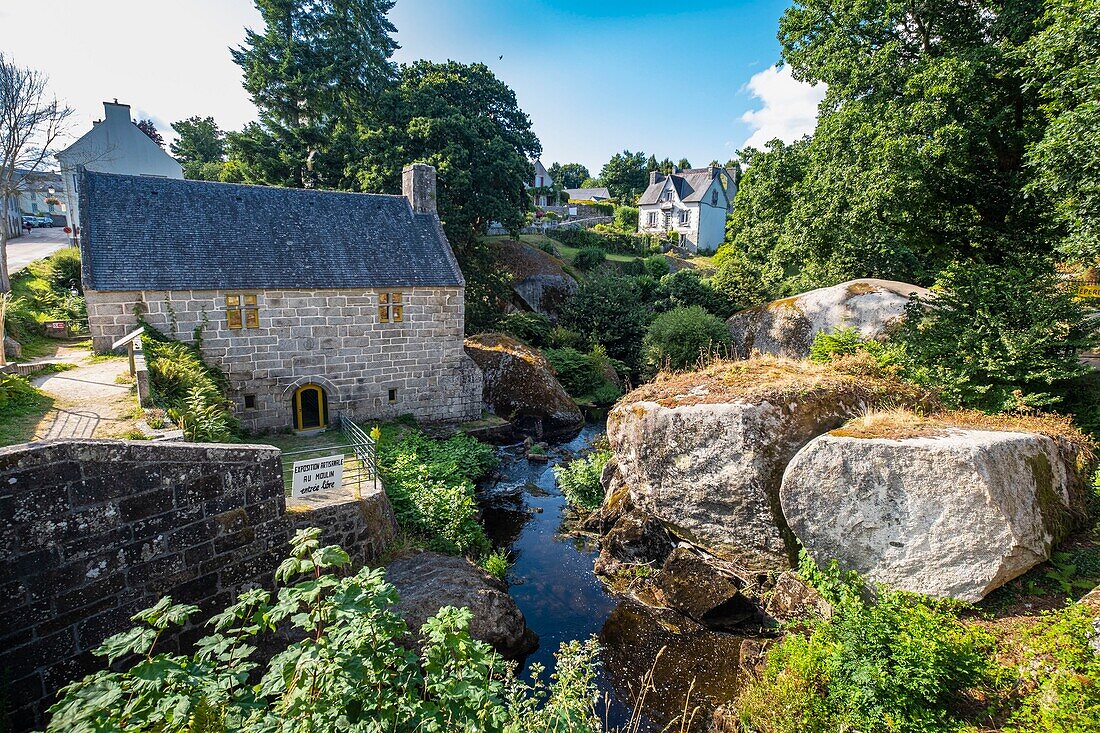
pixel 146 233
pixel 690 185
pixel 588 194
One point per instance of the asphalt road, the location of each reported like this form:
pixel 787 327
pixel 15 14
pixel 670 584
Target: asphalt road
pixel 34 246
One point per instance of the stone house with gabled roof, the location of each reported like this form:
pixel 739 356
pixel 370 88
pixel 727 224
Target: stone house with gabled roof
pixel 313 303
pixel 691 204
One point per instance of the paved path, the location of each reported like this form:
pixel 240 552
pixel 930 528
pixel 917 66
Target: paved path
pixel 40 243
pixel 88 401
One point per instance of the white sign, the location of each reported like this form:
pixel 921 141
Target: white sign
pixel 317 474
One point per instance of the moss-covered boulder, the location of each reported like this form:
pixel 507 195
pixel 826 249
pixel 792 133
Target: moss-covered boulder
pixel 704 452
pixel 943 506
pixel 539 280
pixel 519 385
pixel 787 327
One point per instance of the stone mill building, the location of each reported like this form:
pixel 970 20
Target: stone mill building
pixel 313 303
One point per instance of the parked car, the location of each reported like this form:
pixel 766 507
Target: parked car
pixel 38 221
pixel 46 221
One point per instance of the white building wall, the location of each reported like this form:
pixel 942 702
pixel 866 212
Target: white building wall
pixel 114 145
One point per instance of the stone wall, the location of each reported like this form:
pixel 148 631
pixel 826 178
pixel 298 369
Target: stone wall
pixel 364 527
pixel 92 531
pixel 332 338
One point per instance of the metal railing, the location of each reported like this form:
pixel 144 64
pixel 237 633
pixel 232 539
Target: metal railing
pixel 359 470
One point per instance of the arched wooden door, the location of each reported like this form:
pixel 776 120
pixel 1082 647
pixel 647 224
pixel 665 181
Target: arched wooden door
pixel 310 408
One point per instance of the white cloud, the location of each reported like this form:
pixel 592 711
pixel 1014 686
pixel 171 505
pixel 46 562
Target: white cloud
pixel 789 107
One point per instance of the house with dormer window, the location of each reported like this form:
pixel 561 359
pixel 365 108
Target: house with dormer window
pixel 691 205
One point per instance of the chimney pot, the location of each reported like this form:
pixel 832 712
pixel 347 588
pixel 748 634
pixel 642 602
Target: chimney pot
pixel 655 177
pixel 418 186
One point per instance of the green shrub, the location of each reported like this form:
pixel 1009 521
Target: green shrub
pixel 739 279
pixel 1061 675
pixel 831 345
pixel 610 310
pixel 575 370
pixel 682 338
pixel 685 288
pixel 579 480
pixel 656 266
pixel 496 564
pixel 586 376
pixel 431 486
pixel 603 238
pixel 561 338
pixel 626 219
pixel 191 392
pixel 42 292
pixel 531 328
pixel 892 664
pixel 16 394
pixel 337 662
pixel 997 337
pixel 589 258
pixel 1081 399
pixel 64 269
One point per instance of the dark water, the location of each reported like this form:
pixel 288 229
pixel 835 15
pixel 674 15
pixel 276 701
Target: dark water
pixel 553 583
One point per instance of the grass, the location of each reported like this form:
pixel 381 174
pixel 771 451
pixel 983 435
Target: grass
pixel 21 413
pixel 567 253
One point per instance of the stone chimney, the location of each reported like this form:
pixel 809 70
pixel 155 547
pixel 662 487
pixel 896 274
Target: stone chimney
pixel 418 186
pixel 113 111
pixel 656 177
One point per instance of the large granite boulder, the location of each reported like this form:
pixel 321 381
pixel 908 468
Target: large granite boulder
pixel 12 348
pixel 787 327
pixel 704 453
pixel 539 282
pixel 933 508
pixel 519 385
pixel 429 581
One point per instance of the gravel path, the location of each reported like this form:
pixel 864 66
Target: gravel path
pixel 88 401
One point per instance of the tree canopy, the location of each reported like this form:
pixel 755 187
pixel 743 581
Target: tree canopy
pixel 920 154
pixel 569 175
pixel 625 175
pixel 150 130
pixel 466 122
pixel 1062 64
pixel 199 147
pixel 313 71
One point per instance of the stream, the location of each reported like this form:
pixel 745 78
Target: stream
pixel 554 585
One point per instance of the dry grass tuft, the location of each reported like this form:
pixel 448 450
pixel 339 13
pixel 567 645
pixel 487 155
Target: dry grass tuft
pixel 773 378
pixel 899 424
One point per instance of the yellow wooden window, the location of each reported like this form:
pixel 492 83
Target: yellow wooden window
pixel 390 308
pixel 242 311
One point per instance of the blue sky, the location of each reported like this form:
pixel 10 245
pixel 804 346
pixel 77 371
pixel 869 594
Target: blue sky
pixel 691 80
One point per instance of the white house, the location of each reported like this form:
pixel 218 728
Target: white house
pixel 541 181
pixel 37 193
pixel 113 145
pixel 693 204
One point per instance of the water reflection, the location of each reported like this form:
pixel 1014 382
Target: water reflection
pixel 553 583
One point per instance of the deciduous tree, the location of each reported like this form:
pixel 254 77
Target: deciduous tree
pixel 1063 66
pixel 918 158
pixel 625 175
pixel 150 131
pixel 466 122
pixel 570 175
pixel 31 122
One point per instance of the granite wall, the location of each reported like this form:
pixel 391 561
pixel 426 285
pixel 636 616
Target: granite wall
pixel 369 368
pixel 92 531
